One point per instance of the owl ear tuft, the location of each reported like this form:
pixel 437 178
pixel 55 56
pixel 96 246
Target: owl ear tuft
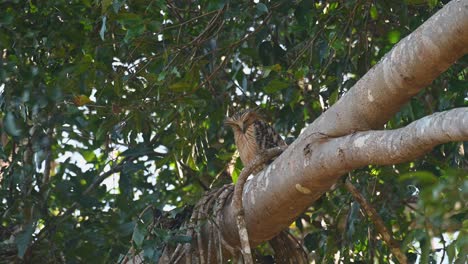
pixel 229 122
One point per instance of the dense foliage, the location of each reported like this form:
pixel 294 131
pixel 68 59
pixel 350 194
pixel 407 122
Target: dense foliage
pixel 135 93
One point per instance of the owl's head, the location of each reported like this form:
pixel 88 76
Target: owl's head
pixel 241 120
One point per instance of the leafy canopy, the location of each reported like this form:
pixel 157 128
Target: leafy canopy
pixel 136 92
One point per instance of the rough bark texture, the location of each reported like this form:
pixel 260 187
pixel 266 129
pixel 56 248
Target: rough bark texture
pixel 297 178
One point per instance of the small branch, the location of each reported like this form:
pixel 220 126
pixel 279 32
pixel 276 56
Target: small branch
pixel 189 20
pixel 259 160
pixel 48 159
pixel 377 221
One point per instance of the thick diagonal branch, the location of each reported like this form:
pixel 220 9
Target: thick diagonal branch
pixel 274 198
pixel 395 146
pixel 294 181
pixel 409 67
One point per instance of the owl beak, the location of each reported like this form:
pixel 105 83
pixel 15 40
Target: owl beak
pixel 243 127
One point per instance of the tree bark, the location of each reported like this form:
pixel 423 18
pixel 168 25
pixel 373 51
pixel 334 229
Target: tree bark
pixel 326 149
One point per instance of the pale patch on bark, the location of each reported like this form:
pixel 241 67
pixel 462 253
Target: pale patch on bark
pixel 247 187
pixel 425 123
pixel 302 189
pixel 252 198
pixel 267 180
pixel 244 234
pixel 361 141
pixel 369 96
pixel 430 46
pixel 388 73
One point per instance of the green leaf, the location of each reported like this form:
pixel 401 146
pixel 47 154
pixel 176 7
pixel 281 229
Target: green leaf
pixel 235 174
pixel 6 19
pixel 412 257
pixel 433 3
pixel 32 7
pixel 81 100
pixel 137 150
pixel 262 8
pixel 192 164
pixel 13 126
pixel 312 241
pixel 181 86
pixel 416 2
pixel 333 97
pixel 117 4
pixel 393 36
pixel 275 86
pixel 422 177
pixel 134 31
pixel 130 168
pixel 139 234
pixel 105 4
pixel 451 252
pixel 150 253
pixel 88 155
pixel 22 240
pixel 182 239
pixel 373 12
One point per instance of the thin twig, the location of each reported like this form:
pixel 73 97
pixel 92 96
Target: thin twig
pixel 259 160
pixel 377 221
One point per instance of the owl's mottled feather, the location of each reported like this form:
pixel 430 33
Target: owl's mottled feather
pixel 252 135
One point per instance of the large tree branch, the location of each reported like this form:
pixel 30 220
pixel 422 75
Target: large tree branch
pixel 323 160
pixel 409 67
pixel 298 177
pixel 392 146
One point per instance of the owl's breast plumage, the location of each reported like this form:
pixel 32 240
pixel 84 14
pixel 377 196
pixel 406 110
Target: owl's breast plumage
pixel 247 145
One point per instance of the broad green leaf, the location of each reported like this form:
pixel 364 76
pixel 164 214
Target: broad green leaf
pixel 136 151
pixel 105 4
pixel 393 36
pixel 23 238
pixel 312 240
pixel 13 126
pixel 139 234
pixel 182 239
pixel 451 252
pixel 117 4
pixel 422 177
pixel 81 100
pixel 275 86
pixel 150 253
pixel 181 86
pixel 126 228
pixel 235 175
pixel 416 2
pixel 262 8
pixel 373 12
